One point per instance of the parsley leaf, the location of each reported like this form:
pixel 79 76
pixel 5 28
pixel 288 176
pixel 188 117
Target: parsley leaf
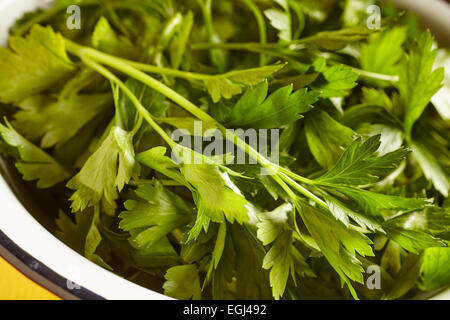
pixel 281 20
pixel 338 244
pixel 435 269
pixel 431 167
pixel 83 234
pixel 384 51
pixel 215 200
pixel 327 146
pixel 335 81
pixel 56 121
pixel 183 283
pixel 105 172
pixel 229 84
pixel 282 258
pixel 34 163
pixel 33 64
pixel 378 204
pixel 105 39
pixel 418 82
pixel 359 164
pixel 257 109
pixel 338 39
pixel 158 212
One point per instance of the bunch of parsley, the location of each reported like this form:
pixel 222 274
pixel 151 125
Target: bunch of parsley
pixel 363 178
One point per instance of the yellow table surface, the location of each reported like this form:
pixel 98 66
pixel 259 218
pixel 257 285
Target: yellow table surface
pixel 15 286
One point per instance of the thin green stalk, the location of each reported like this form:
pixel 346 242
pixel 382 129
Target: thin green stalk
pixel 167 71
pixel 138 125
pixel 141 109
pixel 251 47
pixel 304 191
pixel 206 10
pixel 217 57
pixel 377 76
pixel 238 46
pixel 261 27
pixel 285 187
pixel 262 48
pixel 296 176
pixel 168 183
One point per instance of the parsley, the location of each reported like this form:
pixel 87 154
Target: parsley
pixel 35 63
pixel 363 176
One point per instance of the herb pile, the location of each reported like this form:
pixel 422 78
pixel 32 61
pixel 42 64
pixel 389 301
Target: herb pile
pixel 363 178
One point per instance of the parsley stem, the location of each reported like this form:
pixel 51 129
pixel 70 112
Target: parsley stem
pixel 100 56
pixel 261 27
pixel 304 191
pixel 138 125
pixel 296 176
pixel 285 187
pixel 250 46
pixel 238 46
pixel 374 75
pixel 217 57
pixel 141 109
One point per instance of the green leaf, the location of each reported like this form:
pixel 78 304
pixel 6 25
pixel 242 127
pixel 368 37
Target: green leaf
pixel 282 258
pixel 407 277
pixel 338 39
pixel 183 282
pixel 418 82
pixel 156 159
pixel 377 204
pixel 280 20
pixel 338 244
pixel 82 234
pixel 411 240
pixel 335 81
pixel 410 233
pixel 328 145
pixel 384 51
pixel 230 84
pixel 257 109
pixel 34 163
pixel 272 224
pixel 236 280
pixel 431 167
pixel 57 121
pixel 359 164
pixel 215 200
pixel 157 213
pixel 441 99
pixel 105 172
pixel 105 39
pixel 435 269
pixel 33 64
pixel 342 213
